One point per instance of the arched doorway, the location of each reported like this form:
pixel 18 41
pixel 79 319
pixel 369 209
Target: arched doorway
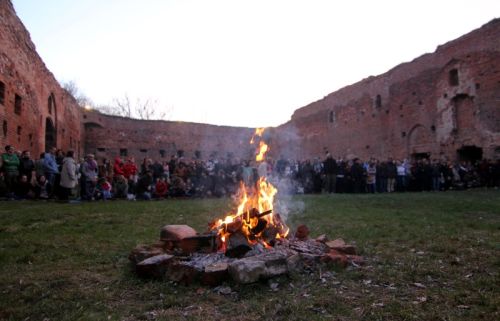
pixel 420 142
pixel 50 135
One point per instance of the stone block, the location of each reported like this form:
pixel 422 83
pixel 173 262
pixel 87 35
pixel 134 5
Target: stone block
pixel 176 232
pixel 154 267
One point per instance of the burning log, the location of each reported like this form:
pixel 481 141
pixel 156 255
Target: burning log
pixel 269 235
pixel 237 245
pixel 261 225
pixel 235 226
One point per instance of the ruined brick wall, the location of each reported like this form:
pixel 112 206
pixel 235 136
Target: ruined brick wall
pixel 436 104
pixel 30 96
pixel 110 136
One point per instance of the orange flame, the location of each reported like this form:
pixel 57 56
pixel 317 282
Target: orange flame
pixel 259 198
pixel 258 133
pixel 263 149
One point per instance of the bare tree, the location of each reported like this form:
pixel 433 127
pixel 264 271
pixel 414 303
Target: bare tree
pixel 140 109
pixel 72 88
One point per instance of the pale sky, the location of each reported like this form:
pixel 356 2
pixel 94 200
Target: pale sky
pixel 231 62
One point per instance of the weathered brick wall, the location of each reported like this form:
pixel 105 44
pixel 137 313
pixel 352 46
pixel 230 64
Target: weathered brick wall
pixel 418 109
pixel 23 74
pixel 414 108
pixel 107 135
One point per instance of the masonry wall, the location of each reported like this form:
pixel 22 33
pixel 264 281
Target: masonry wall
pixel 415 109
pixel 30 96
pixel 433 106
pixel 110 136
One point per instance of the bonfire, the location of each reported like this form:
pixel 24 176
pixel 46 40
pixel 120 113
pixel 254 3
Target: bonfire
pixel 249 244
pixel 254 223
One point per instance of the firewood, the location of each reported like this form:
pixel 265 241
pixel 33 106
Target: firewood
pixel 237 245
pixel 235 226
pixel 269 234
pixel 261 225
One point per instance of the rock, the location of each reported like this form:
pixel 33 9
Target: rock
pixel 302 232
pixel 154 267
pixel 215 274
pixel 176 232
pixel 198 243
pixel 322 238
pixel 183 272
pixel 341 246
pixel 263 266
pixel 336 258
pixel 294 263
pixel 355 259
pixel 246 270
pixel 142 252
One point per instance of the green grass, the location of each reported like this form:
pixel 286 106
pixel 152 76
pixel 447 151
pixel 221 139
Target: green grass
pixel 430 256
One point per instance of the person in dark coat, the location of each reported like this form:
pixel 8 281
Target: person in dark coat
pixel 330 169
pixel 27 166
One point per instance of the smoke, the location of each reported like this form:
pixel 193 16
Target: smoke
pixel 285 204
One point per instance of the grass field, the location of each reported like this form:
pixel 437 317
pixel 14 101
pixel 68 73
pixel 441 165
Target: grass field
pixel 430 256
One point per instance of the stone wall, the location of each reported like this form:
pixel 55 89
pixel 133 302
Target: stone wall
pixel 35 112
pixel 435 105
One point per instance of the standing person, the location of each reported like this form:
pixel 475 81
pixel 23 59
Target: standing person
pixel 69 176
pixel 117 167
pixel 106 169
pixel 27 166
pixel 382 177
pixel 330 169
pixel 51 169
pixel 89 174
pixel 371 177
pixel 401 178
pixel 358 176
pixel 130 173
pixel 10 168
pixel 392 173
pixel 40 166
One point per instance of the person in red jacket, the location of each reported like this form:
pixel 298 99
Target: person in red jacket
pixel 130 169
pixel 161 188
pixel 130 173
pixel 117 167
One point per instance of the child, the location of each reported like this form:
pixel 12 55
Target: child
pixel 104 188
pixel 161 188
pixel 23 190
pixel 42 188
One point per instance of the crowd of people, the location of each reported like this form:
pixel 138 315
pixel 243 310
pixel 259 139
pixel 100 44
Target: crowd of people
pixel 58 175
